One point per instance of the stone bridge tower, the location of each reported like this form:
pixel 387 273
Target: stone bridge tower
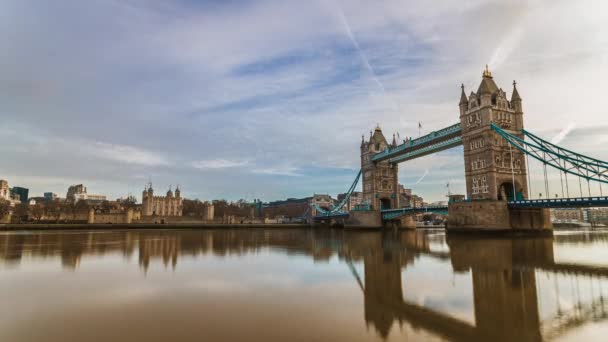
pixel 380 179
pixel 493 170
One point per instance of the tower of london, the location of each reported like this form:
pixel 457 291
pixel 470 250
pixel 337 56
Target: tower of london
pixel 169 205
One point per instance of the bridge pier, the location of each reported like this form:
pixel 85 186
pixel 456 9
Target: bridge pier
pixel 495 216
pixel 404 222
pixel 364 219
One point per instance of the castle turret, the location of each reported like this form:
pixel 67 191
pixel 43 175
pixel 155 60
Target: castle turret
pixel 177 192
pixel 464 102
pixel 516 99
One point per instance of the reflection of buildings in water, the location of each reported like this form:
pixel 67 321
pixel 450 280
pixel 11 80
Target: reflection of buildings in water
pixel 165 247
pixel 502 270
pixel 68 246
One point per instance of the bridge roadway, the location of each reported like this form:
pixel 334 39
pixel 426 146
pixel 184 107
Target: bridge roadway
pixel 578 202
pixel 388 214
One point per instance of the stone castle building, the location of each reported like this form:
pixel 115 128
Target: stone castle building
pixel 493 169
pixel 169 205
pixel 380 180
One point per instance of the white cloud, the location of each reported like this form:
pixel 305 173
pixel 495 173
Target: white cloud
pixel 127 154
pixel 161 81
pixel 213 164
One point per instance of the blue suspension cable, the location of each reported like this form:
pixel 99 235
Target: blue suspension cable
pixel 528 170
pixel 512 174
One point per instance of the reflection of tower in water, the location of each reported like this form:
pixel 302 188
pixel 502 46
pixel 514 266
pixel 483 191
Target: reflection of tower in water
pixel 382 286
pixel 166 247
pixel 505 297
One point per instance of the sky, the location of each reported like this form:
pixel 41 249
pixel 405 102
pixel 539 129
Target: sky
pixel 268 99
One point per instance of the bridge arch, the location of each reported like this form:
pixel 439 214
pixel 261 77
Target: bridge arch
pixel 506 191
pixel 385 203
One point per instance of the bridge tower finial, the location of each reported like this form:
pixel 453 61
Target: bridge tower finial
pixel 463 98
pixel 487 73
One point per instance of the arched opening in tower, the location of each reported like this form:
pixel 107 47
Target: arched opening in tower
pixel 385 203
pixel 506 192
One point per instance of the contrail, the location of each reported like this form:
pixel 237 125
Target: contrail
pixel 506 47
pixel 563 134
pixel 362 55
pixel 426 172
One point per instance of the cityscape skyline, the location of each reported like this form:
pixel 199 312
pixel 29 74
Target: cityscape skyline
pixel 274 107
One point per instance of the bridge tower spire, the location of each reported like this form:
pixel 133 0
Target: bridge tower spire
pixel 380 180
pixel 493 170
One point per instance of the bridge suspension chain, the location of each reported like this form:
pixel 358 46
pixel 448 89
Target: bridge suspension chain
pixel 341 204
pixel 566 161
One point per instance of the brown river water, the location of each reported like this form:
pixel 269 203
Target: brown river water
pixel 301 285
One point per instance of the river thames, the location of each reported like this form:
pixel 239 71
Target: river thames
pixel 301 285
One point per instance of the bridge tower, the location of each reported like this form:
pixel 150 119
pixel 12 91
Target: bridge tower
pixel 380 179
pixel 493 169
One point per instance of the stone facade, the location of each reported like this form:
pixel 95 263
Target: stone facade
pixel 380 180
pixel 323 201
pixel 568 214
pixel 355 199
pixel 491 165
pixel 126 217
pixel 169 205
pixel 5 192
pixel 364 219
pixel 496 215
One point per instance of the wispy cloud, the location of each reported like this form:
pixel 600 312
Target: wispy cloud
pixel 278 171
pixel 214 164
pixel 292 87
pixel 127 154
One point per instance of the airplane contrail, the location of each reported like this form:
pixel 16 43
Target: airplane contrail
pixel 362 55
pixel 506 47
pixel 563 133
pixel 426 172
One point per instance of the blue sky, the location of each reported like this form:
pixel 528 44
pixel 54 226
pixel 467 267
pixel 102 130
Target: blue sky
pixel 269 99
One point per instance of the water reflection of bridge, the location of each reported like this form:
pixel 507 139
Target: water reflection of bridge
pixel 503 271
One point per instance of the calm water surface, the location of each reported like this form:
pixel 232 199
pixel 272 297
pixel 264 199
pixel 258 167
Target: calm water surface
pixel 301 285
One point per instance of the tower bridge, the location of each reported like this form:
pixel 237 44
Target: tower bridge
pixel 497 150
